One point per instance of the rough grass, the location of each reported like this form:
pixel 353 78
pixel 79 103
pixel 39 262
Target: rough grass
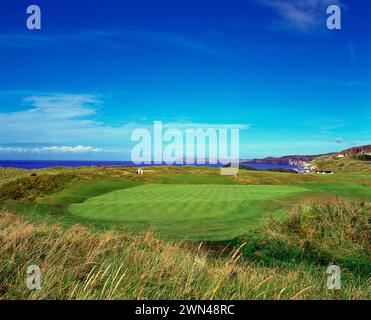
pixel 30 188
pixel 9 174
pixel 164 174
pixel 78 263
pixel 283 260
pixel 197 203
pixel 344 165
pixel 318 233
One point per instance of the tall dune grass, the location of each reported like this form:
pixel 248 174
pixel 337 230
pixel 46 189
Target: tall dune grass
pixel 79 263
pixel 318 233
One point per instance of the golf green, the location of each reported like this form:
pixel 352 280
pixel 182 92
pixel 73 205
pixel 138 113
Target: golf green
pixel 185 209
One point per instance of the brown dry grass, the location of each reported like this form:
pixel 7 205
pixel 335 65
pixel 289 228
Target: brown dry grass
pixel 78 263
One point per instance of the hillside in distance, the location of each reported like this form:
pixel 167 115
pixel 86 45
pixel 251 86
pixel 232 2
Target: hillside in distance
pixel 293 159
pixel 300 159
pixel 356 151
pixel 351 160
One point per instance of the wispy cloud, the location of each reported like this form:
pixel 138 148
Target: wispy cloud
pixel 65 120
pixel 352 51
pixel 303 16
pixel 79 149
pixel 348 84
pixel 59 119
pixel 68 149
pixel 117 38
pixel 10 150
pixel 292 147
pixel 196 125
pixel 323 125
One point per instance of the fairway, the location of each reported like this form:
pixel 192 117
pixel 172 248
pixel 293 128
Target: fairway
pixel 186 210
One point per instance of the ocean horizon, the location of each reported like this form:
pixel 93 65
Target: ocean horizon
pixel 42 164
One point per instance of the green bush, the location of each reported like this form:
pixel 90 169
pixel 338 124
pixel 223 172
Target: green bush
pixel 29 188
pixel 363 157
pixel 317 233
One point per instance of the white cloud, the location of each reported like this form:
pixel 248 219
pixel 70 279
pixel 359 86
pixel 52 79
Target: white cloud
pixel 299 15
pixel 203 126
pixel 64 106
pixel 118 38
pixel 352 51
pixel 58 119
pixel 12 150
pixel 347 84
pixel 68 149
pixel 52 149
pixel 68 120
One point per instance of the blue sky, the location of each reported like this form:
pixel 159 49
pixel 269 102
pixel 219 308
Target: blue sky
pixel 97 70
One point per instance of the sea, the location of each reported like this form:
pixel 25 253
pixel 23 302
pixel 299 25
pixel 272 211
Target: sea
pixel 40 164
pixel 264 166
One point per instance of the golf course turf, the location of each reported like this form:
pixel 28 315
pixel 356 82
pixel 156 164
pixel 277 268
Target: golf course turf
pixel 184 227
pixel 190 210
pixel 187 203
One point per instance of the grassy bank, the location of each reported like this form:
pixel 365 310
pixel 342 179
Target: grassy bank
pixel 345 165
pixel 316 233
pixel 78 263
pixel 183 233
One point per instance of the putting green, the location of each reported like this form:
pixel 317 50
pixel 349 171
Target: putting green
pixel 185 209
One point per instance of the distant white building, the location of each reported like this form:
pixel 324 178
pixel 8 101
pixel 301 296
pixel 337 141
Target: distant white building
pixel 324 172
